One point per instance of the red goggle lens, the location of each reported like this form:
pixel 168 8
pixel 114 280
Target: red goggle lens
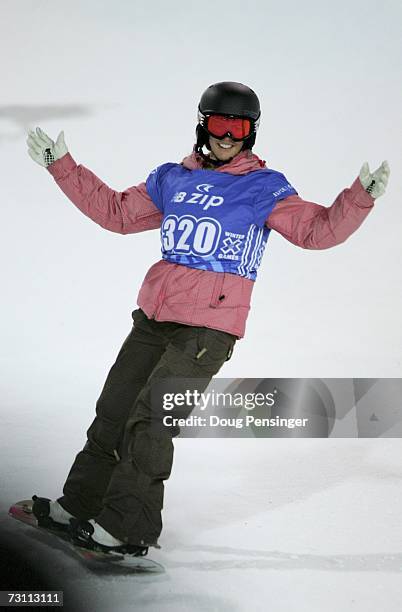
pixel 218 126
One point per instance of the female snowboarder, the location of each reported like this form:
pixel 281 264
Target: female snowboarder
pixel 215 212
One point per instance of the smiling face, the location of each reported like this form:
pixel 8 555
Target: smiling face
pixel 224 149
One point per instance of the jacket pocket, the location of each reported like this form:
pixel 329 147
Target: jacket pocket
pixel 218 296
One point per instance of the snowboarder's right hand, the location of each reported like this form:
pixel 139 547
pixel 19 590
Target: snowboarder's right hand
pixel 43 150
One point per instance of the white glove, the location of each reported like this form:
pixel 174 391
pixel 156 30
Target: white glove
pixel 43 149
pixel 376 183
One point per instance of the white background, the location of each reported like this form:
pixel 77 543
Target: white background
pixel 124 80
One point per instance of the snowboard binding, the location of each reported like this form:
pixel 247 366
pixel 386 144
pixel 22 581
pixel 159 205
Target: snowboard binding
pixel 77 537
pixel 81 533
pixel 41 511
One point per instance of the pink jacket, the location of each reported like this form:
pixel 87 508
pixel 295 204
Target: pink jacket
pixel 172 292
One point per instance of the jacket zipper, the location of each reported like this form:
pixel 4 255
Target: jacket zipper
pixel 159 302
pixel 217 296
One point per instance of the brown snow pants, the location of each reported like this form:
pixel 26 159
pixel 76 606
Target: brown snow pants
pixel 118 476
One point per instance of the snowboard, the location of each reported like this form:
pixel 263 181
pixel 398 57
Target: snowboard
pixel 22 511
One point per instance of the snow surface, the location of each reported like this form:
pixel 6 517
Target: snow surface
pixel 283 525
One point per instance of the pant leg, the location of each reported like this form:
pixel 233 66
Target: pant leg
pixel 133 502
pixel 90 473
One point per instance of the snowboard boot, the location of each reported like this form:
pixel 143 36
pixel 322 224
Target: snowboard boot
pixel 43 508
pixel 82 532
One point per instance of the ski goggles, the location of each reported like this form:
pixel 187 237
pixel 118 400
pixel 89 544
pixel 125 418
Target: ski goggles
pixel 219 126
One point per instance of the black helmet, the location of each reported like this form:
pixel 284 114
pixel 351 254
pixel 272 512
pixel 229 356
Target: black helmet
pixel 231 99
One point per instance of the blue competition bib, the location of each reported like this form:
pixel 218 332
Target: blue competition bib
pixel 215 220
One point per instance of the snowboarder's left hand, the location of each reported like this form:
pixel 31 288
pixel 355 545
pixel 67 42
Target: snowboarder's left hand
pixel 375 183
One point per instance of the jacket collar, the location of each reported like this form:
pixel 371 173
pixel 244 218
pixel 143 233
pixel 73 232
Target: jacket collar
pixel 243 163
